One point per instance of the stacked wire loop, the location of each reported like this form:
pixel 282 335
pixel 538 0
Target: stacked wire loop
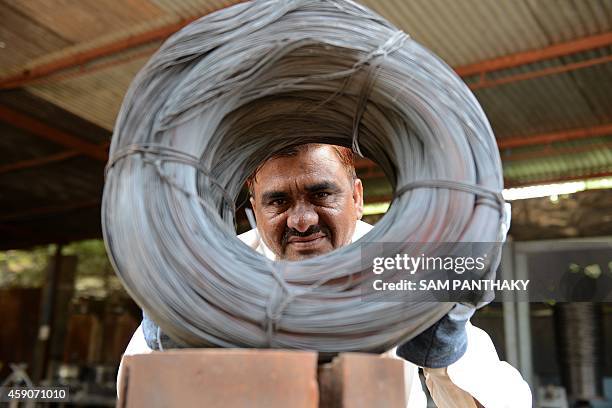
pixel 225 93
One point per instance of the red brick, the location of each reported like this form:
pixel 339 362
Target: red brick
pixel 355 380
pixel 221 378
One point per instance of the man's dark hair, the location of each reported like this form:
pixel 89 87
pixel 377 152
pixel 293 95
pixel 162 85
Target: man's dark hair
pixel 345 154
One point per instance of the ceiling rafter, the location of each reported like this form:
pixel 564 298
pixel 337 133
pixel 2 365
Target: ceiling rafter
pixel 39 161
pixel 505 143
pixel 81 58
pixel 532 56
pixel 552 137
pixel 86 56
pixel 484 82
pixel 43 130
pixel 542 139
pixel 45 160
pixel 554 180
pixel 33 213
pixel 553 151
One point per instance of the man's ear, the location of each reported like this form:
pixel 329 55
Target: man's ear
pixel 358 197
pixel 252 200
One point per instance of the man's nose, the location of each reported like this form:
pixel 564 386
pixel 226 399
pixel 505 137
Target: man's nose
pixel 302 216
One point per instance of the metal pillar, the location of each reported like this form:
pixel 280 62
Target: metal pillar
pixel 524 322
pixel 509 306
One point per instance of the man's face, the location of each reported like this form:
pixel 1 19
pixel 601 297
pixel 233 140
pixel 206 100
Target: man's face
pixel 307 204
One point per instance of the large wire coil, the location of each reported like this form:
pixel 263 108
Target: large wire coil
pixel 229 90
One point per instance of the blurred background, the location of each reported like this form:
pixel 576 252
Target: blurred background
pixel 541 69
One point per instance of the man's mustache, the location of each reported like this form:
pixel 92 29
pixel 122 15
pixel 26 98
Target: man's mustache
pixel 313 229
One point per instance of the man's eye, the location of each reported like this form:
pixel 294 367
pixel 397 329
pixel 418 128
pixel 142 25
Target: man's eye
pixel 278 202
pixel 322 194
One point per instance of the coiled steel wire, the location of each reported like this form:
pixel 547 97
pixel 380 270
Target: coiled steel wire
pixel 229 90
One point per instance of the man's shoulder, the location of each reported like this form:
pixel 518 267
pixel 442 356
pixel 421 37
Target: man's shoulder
pixel 251 238
pixel 254 241
pixel 361 228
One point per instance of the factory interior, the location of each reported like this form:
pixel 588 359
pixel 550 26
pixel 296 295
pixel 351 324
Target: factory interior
pixel 541 70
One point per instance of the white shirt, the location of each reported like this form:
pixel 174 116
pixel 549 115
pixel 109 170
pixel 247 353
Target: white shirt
pixel 477 374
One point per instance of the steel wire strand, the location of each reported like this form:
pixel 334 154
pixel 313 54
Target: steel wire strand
pixel 229 90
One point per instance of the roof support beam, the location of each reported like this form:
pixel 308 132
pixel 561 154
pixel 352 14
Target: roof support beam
pixel 83 57
pixel 529 57
pixel 550 151
pixel 479 68
pixel 41 161
pixel 40 129
pixel 34 213
pixel 554 180
pixel 483 82
pixel 369 169
pixel 546 138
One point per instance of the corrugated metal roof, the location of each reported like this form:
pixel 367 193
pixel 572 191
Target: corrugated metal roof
pixel 96 97
pixel 467 31
pixel 110 38
pixel 188 8
pixel 17 145
pixel 579 98
pixel 86 20
pixel 539 105
pixel 568 159
pixel 595 83
pixel 57 184
pixel 460 32
pixel 22 39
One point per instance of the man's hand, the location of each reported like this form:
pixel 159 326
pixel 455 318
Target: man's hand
pixel 443 343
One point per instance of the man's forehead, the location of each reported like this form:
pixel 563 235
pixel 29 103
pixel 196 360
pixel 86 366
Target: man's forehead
pixel 318 160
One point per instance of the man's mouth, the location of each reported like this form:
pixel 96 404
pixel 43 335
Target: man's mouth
pixel 307 240
pixel 314 240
